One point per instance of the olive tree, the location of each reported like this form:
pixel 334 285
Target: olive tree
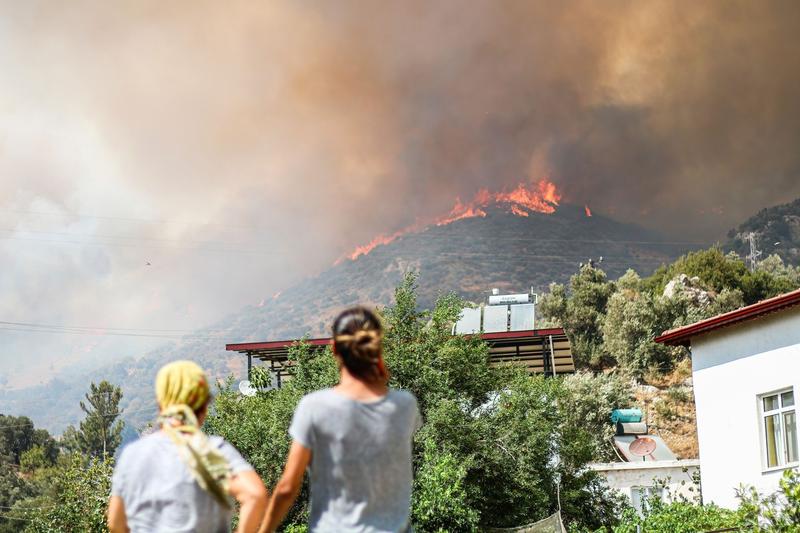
pixel 497 446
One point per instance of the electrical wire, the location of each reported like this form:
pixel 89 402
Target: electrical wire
pixel 112 334
pixel 123 237
pixel 123 412
pixel 93 328
pixel 32 327
pixel 149 246
pixel 126 219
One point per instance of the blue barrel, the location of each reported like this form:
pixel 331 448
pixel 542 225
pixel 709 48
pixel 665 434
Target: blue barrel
pixel 626 416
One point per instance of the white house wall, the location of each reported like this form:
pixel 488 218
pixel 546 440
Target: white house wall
pixel 731 368
pixel 675 476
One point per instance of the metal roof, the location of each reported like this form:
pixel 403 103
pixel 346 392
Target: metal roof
pixel 682 336
pixel 545 351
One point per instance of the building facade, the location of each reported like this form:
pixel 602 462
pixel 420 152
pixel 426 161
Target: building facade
pixel 746 374
pixel 666 480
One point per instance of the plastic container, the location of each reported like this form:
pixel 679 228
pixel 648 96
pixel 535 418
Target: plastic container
pixel 626 415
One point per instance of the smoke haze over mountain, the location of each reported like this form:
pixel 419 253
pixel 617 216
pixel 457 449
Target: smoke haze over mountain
pixel 239 146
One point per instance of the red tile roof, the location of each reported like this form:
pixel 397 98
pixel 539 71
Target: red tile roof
pixel 682 336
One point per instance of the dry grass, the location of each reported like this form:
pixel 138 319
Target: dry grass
pixel 668 403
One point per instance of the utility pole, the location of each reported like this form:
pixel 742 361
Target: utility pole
pixel 755 253
pixel 107 398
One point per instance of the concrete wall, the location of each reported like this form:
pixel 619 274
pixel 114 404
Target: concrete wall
pixel 731 368
pixel 677 476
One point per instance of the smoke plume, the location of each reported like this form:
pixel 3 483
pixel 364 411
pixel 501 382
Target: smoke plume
pixel 239 146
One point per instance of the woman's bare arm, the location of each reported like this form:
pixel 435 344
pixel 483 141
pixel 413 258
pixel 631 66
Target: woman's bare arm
pixel 288 487
pixel 249 491
pixel 117 522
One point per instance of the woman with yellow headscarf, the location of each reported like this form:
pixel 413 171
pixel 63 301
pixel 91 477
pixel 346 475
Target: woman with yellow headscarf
pixel 178 479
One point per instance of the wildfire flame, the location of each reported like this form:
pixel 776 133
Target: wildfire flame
pixel 541 198
pixel 364 249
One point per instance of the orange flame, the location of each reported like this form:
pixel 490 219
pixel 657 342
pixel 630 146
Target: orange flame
pixel 460 211
pixel 543 198
pixel 364 249
pixel 587 210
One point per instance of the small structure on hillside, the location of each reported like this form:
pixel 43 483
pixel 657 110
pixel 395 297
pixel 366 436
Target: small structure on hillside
pixel 647 467
pixel 507 323
pixel 746 375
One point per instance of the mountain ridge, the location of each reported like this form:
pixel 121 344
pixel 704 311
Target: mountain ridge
pixel 507 250
pixel 777 231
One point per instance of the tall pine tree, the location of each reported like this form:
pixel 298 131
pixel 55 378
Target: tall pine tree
pixel 100 433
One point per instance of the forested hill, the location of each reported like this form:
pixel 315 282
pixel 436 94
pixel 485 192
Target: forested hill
pixel 777 231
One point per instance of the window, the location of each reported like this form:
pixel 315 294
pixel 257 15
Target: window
pixel 780 428
pixel 640 496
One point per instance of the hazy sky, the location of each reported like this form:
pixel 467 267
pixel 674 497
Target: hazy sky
pixel 240 146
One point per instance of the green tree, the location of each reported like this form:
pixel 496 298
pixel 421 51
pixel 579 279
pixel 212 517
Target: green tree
pixel 589 401
pixel 23 449
pixel 18 434
pixel 633 319
pixel 719 271
pixel 581 312
pixel 13 488
pixel 496 446
pixel 676 517
pixel 77 498
pixel 635 316
pixel 100 433
pixel 778 512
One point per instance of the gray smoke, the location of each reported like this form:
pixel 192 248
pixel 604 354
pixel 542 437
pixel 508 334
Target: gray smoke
pixel 247 145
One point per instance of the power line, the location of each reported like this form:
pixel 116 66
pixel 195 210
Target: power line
pixel 101 236
pixel 150 246
pixel 599 241
pixel 755 253
pixel 108 415
pixel 111 333
pixel 126 219
pixel 92 328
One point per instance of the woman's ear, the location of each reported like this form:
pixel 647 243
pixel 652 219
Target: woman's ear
pixel 202 414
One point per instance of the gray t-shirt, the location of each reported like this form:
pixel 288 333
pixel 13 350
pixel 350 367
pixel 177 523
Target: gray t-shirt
pixel 159 492
pixel 360 460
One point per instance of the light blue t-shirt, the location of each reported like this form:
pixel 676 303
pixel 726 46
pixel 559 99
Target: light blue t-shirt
pixel 360 467
pixel 159 492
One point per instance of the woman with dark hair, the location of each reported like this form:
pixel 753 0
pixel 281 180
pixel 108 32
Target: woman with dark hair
pixel 355 439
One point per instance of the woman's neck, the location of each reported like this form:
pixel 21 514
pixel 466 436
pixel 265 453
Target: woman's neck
pixel 354 388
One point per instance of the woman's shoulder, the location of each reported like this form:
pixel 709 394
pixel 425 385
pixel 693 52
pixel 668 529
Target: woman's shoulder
pixel 318 400
pixel 403 396
pixel 318 396
pixel 144 446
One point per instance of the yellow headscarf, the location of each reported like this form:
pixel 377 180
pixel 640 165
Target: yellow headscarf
pixel 181 390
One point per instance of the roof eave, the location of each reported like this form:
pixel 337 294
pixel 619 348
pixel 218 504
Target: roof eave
pixel 683 336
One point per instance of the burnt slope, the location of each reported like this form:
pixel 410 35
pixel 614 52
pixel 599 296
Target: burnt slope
pixel 468 256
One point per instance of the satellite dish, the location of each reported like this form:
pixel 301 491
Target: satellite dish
pixel 643 446
pixel 246 388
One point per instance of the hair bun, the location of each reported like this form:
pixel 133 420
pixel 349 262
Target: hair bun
pixel 357 336
pixel 366 345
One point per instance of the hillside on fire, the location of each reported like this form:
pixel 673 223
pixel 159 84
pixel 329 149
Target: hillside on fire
pixel 512 241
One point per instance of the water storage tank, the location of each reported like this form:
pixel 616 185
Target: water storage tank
pixel 626 415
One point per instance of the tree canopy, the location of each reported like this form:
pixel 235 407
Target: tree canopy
pixel 613 323
pixel 100 432
pixel 497 445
